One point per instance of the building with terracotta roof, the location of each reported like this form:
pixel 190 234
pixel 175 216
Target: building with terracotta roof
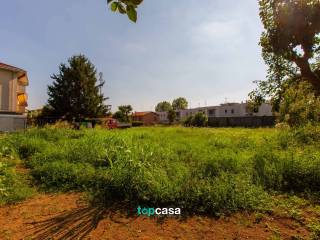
pixel 147 118
pixel 13 97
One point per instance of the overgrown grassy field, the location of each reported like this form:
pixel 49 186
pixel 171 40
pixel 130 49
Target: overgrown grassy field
pixel 201 170
pixel 13 185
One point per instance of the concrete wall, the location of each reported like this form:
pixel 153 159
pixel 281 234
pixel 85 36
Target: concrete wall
pixel 240 110
pixel 10 123
pixel 264 110
pixel 231 110
pixel 250 121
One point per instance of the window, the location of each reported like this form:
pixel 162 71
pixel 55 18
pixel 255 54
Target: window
pixel 232 111
pixel 212 112
pixel 225 111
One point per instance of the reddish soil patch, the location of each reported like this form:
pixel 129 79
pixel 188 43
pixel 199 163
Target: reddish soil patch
pixel 66 216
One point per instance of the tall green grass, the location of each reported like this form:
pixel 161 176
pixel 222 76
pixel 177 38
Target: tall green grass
pixel 203 170
pixel 13 186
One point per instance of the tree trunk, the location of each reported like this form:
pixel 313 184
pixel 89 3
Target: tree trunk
pixel 308 74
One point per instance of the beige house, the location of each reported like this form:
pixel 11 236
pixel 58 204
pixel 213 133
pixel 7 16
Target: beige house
pixel 13 98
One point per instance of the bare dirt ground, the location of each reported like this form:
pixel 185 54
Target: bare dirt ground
pixel 68 216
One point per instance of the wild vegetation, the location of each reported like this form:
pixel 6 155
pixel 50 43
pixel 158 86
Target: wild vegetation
pixel 198 120
pixel 202 170
pixel 290 48
pixel 13 185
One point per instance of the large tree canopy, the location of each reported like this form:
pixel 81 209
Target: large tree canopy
pixel 123 114
pixel 292 36
pixel 75 92
pixel 180 104
pixel 163 106
pixel 290 48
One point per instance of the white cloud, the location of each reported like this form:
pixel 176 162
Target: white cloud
pixel 216 31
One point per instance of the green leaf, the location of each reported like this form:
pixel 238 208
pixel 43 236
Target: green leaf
pixel 114 6
pixel 132 13
pixel 121 9
pixel 136 2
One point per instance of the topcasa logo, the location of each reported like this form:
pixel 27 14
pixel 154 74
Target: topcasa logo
pixel 158 211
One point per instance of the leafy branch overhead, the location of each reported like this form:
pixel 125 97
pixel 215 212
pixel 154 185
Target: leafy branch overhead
pixel 290 48
pixel 125 7
pixel 292 33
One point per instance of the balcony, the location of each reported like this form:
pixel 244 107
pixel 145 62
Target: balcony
pixel 22 102
pixel 21 109
pixel 23 80
pixel 21 89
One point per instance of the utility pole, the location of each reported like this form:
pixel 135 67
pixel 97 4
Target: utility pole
pixel 101 81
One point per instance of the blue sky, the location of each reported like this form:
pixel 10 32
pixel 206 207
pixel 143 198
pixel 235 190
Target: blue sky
pixel 206 50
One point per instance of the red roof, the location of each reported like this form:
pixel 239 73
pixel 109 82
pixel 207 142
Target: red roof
pixel 11 68
pixel 141 114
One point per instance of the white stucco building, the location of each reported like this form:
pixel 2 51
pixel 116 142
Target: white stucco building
pixel 224 110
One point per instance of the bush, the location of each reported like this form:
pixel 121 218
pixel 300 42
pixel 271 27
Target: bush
pixel 198 120
pixel 13 187
pixel 188 121
pixel 62 176
pixel 294 169
pixel 299 105
pixel 268 169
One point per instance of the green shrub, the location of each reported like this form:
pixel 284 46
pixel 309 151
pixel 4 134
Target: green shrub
pixel 287 171
pixel 300 105
pixel 60 175
pixel 268 169
pixel 13 187
pixel 198 120
pixel 225 193
pixel 188 121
